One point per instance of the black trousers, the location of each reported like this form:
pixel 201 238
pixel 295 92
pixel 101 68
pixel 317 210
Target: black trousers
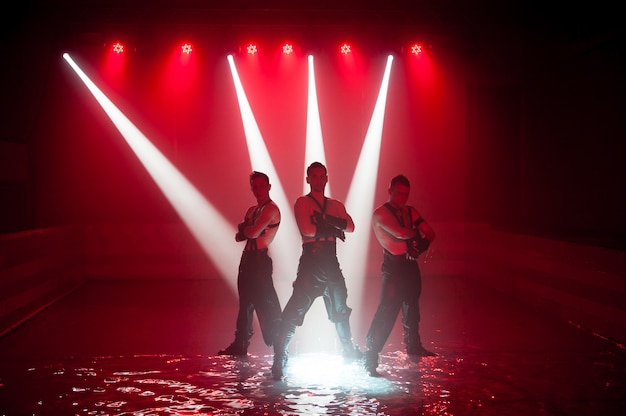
pixel 319 274
pixel 257 293
pixel 400 291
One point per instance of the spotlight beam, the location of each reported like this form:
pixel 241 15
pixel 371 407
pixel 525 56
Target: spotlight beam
pixel 314 150
pixel 360 200
pixel 284 249
pixel 211 230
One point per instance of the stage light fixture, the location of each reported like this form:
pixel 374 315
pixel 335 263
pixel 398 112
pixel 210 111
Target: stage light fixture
pixel 118 48
pixel 252 49
pixel 287 49
pixel 416 49
pixel 186 48
pixel 345 49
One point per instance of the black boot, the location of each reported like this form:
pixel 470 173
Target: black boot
pixel 237 348
pixel 371 363
pixel 234 349
pixel 280 351
pixel 279 364
pixel 417 352
pixel 413 342
pixel 350 351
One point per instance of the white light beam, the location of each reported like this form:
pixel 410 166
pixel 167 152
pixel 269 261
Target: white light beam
pixel 207 225
pixel 314 151
pixel 285 246
pixel 360 201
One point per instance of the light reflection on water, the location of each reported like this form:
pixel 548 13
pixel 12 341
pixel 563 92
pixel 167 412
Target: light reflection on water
pixel 320 384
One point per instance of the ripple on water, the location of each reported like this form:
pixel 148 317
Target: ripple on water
pixel 314 384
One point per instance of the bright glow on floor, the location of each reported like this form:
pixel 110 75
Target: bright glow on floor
pixel 329 371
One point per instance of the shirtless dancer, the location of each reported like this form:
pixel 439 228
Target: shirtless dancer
pixel 254 282
pixel 404 235
pixel 321 222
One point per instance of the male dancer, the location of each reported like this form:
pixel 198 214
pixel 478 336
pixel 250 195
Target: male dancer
pixel 254 282
pixel 321 221
pixel 404 235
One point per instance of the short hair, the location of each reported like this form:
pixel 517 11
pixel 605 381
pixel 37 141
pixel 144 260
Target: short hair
pixel 399 179
pixel 256 174
pixel 316 165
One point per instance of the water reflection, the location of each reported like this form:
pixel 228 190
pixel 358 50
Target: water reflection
pixel 320 384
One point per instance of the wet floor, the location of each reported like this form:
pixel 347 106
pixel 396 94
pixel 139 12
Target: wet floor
pixel 148 348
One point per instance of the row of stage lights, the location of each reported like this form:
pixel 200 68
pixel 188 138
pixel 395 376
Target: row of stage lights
pixel 252 49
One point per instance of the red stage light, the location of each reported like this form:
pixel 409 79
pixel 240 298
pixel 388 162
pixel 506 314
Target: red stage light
pixel 345 49
pixel 187 48
pixel 118 47
pixel 416 49
pixel 287 49
pixel 252 49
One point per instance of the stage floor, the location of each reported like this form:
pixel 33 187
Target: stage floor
pixel 148 347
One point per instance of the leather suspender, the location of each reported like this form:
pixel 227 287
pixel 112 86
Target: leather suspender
pixel 255 215
pixel 321 207
pixel 400 218
pixel 395 213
